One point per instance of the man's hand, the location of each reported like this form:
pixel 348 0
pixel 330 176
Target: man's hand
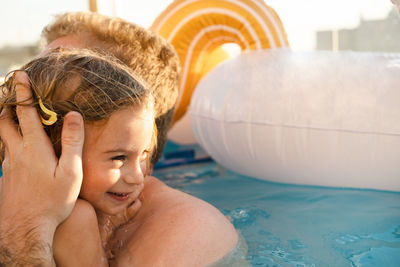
pixel 38 191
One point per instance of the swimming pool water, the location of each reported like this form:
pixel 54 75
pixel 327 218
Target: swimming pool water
pixel 291 225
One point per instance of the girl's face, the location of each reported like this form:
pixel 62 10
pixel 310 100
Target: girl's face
pixel 114 159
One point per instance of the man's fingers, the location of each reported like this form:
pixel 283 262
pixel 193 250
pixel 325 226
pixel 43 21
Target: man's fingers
pixel 72 138
pixel 9 130
pixel 28 117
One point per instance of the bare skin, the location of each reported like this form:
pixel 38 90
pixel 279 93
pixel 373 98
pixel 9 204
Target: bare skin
pixel 30 213
pixel 95 230
pixel 72 235
pixel 162 231
pixel 170 229
pixel 155 211
pixel 173 229
pixel 166 228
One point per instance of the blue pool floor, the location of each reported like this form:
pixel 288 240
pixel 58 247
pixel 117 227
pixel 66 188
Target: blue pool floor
pixel 292 225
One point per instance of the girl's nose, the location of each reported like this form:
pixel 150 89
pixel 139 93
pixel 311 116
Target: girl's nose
pixel 133 174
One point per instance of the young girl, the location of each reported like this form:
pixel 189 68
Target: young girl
pixel 106 226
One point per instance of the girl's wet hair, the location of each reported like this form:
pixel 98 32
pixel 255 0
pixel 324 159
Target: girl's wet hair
pixel 94 84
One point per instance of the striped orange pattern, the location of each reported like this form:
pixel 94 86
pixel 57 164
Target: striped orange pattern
pixel 197 27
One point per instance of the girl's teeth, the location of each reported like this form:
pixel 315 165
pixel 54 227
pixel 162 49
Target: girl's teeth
pixel 119 194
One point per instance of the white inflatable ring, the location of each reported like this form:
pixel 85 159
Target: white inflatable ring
pixel 317 118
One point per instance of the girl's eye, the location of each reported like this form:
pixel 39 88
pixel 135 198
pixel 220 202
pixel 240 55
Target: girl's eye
pixel 119 157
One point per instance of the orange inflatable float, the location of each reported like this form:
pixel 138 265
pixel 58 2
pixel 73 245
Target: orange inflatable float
pixel 198 28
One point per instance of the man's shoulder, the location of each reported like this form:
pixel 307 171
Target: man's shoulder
pixel 169 202
pixel 158 193
pixel 182 228
pixel 173 204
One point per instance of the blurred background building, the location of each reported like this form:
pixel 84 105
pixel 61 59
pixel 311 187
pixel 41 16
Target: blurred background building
pixel 12 57
pixel 381 35
pixel 359 25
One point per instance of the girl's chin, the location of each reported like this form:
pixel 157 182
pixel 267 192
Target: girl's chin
pixel 103 208
pixel 110 211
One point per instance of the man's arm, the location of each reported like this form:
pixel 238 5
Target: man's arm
pixel 38 191
pixel 24 246
pixel 77 240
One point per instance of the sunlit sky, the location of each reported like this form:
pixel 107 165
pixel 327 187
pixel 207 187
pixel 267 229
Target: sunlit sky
pixel 22 20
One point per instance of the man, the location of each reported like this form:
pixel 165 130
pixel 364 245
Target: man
pixel 171 228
